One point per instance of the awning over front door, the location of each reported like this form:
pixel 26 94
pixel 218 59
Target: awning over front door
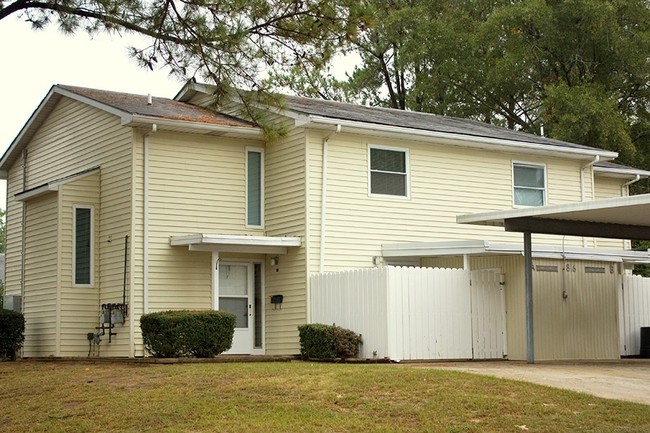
pixel 237 243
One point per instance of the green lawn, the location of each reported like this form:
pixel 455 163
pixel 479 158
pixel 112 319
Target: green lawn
pixel 291 397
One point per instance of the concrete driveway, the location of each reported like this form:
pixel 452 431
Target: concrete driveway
pixel 623 380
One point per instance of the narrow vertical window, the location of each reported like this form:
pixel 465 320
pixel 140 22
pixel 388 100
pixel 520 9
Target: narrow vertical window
pixel 83 244
pixel 529 184
pixel 254 188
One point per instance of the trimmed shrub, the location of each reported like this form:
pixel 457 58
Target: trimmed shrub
pixel 318 341
pixel 12 333
pixel 171 334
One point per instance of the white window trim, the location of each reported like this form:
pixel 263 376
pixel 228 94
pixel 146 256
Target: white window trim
pixel 407 168
pixel 512 175
pixel 262 184
pixel 92 244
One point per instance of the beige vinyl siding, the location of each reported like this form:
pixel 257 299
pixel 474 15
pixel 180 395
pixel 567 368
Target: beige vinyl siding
pixel 13 235
pixel 41 290
pixel 196 185
pixel 608 187
pixel 76 137
pixel 285 216
pixel 445 181
pixel 79 306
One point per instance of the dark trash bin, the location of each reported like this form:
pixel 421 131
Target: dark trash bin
pixel 645 342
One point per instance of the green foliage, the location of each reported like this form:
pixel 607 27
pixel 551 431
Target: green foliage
pixel 171 334
pixel 318 341
pixel 12 330
pixel 576 67
pixel 231 43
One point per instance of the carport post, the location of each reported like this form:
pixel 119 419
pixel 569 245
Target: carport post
pixel 528 277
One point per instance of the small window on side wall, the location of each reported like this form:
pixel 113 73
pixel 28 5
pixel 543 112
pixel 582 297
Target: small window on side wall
pixel 83 246
pixel 529 182
pixel 388 171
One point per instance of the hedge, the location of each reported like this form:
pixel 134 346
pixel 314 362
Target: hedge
pixel 12 333
pixel 319 341
pixel 172 334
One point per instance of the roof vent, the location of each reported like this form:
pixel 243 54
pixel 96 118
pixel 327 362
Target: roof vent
pixel 149 99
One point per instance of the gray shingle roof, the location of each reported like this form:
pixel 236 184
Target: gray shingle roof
pixel 415 120
pixel 163 108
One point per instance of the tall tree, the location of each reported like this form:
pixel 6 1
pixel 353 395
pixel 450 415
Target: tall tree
pixel 578 68
pixel 230 42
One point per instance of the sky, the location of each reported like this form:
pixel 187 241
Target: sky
pixel 33 61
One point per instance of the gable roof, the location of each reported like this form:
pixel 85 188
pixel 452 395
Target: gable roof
pixel 612 169
pixel 133 111
pixel 325 114
pixel 162 108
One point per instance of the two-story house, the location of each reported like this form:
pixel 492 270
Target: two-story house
pixel 120 205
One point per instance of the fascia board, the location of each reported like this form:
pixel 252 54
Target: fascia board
pixel 483 247
pixel 199 127
pixel 497 217
pixel 89 101
pixel 16 145
pixel 464 140
pixel 625 173
pixel 243 240
pixel 24 196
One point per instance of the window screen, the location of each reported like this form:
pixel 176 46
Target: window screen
pixel 529 185
pixel 83 245
pixel 388 172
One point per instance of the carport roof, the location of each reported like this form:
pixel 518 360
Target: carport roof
pixel 619 218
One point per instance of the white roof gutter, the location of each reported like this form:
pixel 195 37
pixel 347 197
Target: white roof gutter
pixel 135 120
pixel 466 140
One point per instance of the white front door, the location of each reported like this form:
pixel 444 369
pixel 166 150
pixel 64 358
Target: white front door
pixel 239 291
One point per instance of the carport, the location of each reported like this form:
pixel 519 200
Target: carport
pixel 617 218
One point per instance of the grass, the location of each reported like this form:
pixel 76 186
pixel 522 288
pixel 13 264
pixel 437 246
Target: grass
pixel 291 397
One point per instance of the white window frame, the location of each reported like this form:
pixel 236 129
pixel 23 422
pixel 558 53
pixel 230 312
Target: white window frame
pixel 529 164
pixel 261 152
pixel 407 172
pixel 74 245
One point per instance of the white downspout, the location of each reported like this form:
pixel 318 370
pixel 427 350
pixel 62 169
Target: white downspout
pixel 583 195
pixel 624 190
pixel 323 204
pixel 145 222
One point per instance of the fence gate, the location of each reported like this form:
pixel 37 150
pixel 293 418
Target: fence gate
pixel 488 315
pixel 634 312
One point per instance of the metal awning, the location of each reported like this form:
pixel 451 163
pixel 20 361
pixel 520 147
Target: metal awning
pixel 485 247
pixel 237 243
pixel 618 218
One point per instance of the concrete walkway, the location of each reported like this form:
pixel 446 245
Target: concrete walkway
pixel 623 380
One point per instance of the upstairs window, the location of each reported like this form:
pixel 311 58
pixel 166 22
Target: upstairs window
pixel 254 187
pixel 83 246
pixel 388 171
pixel 529 184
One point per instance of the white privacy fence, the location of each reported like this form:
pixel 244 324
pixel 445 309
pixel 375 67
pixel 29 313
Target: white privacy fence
pixel 634 312
pixel 415 313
